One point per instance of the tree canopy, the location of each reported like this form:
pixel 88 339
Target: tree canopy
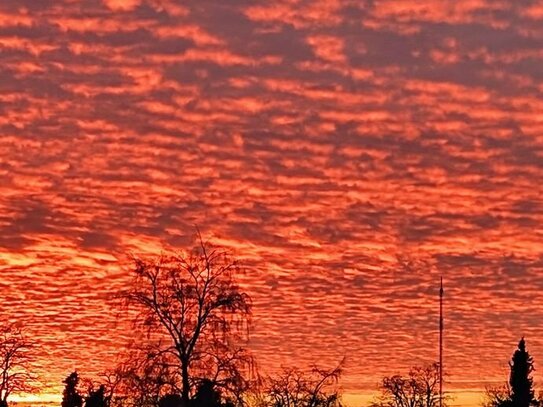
pixel 420 388
pixel 15 362
pixel 192 302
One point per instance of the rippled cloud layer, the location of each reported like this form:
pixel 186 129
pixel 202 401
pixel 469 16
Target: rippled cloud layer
pixel 347 151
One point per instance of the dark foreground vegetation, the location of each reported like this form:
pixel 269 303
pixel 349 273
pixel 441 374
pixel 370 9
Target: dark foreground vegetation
pixel 191 321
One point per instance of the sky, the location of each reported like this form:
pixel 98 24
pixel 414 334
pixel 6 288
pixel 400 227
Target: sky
pixel 347 152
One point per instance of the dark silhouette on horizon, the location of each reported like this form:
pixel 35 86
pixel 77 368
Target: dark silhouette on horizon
pixel 519 391
pixel 206 396
pixel 97 398
pixel 420 388
pixel 193 303
pixel 71 396
pixel 296 388
pixel 521 381
pixel 15 362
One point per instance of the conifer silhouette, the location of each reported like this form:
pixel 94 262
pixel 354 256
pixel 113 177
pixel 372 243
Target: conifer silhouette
pixel 70 396
pixel 518 391
pixel 520 381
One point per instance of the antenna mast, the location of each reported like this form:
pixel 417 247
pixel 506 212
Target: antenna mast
pixel 441 343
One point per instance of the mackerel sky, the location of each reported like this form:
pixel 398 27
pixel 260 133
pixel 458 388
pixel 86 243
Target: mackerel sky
pixel 347 152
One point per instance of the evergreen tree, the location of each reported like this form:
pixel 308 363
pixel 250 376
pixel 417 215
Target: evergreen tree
pixel 70 396
pixel 520 381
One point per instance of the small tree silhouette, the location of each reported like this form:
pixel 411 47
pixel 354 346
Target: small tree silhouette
pixel 295 388
pixel 97 398
pixel 206 395
pixel 70 396
pixel 143 379
pixel 420 388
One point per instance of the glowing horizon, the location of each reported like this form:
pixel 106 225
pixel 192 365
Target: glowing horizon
pixel 461 397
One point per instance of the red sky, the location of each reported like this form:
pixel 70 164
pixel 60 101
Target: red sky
pixel 347 151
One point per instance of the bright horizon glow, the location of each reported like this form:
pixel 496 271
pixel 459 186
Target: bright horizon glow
pixel 461 397
pixel 36 398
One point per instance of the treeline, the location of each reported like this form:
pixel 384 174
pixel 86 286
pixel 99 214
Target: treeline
pixel 289 389
pixel 191 324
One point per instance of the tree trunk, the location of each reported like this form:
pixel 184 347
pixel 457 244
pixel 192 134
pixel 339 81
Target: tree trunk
pixel 185 391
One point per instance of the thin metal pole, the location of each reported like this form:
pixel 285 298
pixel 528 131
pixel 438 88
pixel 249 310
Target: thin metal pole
pixel 441 343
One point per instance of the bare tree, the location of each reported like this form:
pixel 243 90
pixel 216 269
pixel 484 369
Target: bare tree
pixel 295 388
pixel 15 362
pixel 141 379
pixel 193 300
pixel 419 389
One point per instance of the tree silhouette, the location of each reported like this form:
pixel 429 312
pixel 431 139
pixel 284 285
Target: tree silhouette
pixel 498 396
pixel 71 396
pixel 97 398
pixel 295 388
pixel 419 389
pixel 15 361
pixel 206 395
pixel 194 300
pixel 143 378
pixel 520 380
pixel 519 390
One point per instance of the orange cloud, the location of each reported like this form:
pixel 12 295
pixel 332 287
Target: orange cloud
pixel 122 5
